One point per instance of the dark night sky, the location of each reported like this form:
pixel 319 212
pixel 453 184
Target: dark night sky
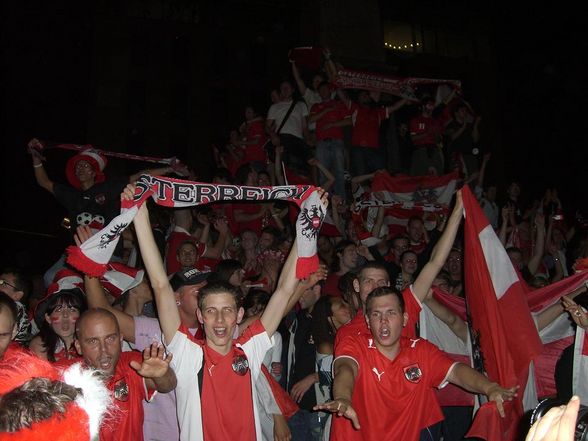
pixel 540 73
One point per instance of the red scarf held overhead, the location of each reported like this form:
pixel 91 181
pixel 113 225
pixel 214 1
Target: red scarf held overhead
pixel 94 254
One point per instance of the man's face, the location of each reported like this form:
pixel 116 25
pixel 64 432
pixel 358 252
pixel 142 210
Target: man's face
pixel 248 240
pixel 325 92
pixel 187 255
pixel 187 295
pixel 349 256
pixel 409 263
pixel 428 107
pixel 399 246
pixel 84 171
pixel 286 90
pixel 263 180
pixel 491 194
pixel 220 316
pixel 7 330
pixel 310 297
pixel 340 311
pixel 370 279
pixel 249 114
pixel 8 287
pixel 514 189
pixel 386 320
pixel 266 241
pixel 99 341
pixel 454 263
pixel 415 230
pixel 363 98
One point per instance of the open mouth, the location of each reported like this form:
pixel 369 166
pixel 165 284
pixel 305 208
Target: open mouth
pixel 220 332
pixel 384 332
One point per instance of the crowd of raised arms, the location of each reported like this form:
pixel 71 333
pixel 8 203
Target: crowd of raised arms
pixel 202 328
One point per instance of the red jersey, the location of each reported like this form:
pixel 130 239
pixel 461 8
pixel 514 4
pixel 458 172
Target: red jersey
pixel 425 125
pixel 338 113
pixel 394 399
pixel 366 125
pixel 176 238
pixel 125 417
pixel 255 130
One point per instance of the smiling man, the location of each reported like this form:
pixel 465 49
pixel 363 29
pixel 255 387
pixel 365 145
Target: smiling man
pixel 215 394
pixel 384 382
pixel 130 377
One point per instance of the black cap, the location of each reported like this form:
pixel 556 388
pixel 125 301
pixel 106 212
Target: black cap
pixel 190 276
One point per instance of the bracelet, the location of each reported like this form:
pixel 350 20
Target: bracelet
pixel 38 165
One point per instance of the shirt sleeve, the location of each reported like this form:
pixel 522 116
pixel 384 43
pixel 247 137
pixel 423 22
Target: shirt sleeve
pixel 437 362
pixel 255 342
pixel 187 356
pixel 350 347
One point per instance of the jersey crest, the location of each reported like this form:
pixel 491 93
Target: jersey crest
pixel 413 373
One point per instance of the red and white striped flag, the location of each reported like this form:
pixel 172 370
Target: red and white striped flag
pixel 407 196
pixel 501 322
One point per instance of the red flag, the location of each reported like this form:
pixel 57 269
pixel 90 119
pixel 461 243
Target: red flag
pixel 501 321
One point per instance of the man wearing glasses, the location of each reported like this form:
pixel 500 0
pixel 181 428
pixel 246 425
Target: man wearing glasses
pixel 12 284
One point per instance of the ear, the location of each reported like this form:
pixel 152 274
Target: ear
pixel 405 319
pixel 240 314
pixel 199 315
pixel 78 346
pixel 356 285
pixel 177 297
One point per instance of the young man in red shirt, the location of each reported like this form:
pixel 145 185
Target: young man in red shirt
pixel 425 132
pixel 384 382
pixel 330 117
pixel 215 397
pixel 374 275
pixel 130 377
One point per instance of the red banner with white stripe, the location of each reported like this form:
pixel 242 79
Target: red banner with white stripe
pixel 501 321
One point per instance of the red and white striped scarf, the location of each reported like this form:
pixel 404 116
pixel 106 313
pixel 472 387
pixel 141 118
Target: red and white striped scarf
pixel 94 254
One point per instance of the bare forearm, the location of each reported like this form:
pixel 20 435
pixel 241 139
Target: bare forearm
pixel 167 383
pixel 470 379
pixel 455 323
pixel 344 381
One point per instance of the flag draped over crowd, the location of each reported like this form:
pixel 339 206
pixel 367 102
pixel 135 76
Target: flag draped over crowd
pixel 93 255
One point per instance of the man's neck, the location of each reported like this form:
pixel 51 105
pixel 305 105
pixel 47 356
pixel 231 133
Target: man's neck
pixel 223 350
pixel 134 305
pixel 86 185
pixel 390 352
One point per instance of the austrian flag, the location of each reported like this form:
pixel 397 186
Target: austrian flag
pixel 94 254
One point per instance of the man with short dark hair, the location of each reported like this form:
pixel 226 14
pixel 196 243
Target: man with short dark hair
pixel 130 377
pixel 215 395
pixel 383 382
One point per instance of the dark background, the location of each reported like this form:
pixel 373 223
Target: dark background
pixel 168 78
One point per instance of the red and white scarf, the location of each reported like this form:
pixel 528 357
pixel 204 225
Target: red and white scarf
pixel 93 256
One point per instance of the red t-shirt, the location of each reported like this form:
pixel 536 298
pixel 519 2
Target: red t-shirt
pixel 227 403
pixel 176 238
pixel 425 125
pixel 366 125
pixel 255 130
pixel 338 113
pixel 125 417
pixel 394 399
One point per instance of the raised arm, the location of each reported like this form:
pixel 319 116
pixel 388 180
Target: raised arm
pixel 96 296
pixel 451 319
pixel 40 174
pixel 155 369
pixel 169 317
pixel 299 82
pixel 439 255
pixel 286 289
pixel 537 256
pixel 330 179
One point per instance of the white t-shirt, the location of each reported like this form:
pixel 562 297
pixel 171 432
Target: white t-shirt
pixel 293 125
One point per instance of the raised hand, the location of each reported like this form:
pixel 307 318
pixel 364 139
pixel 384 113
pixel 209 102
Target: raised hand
pixel 83 233
pixel 341 407
pixel 499 395
pixel 35 147
pixel 576 312
pixel 155 362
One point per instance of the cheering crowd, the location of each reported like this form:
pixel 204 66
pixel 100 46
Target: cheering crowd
pixel 303 290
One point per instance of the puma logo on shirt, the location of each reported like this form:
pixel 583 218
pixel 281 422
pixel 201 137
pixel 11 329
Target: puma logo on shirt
pixel 378 374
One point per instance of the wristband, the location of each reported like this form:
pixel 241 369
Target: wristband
pixel 38 165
